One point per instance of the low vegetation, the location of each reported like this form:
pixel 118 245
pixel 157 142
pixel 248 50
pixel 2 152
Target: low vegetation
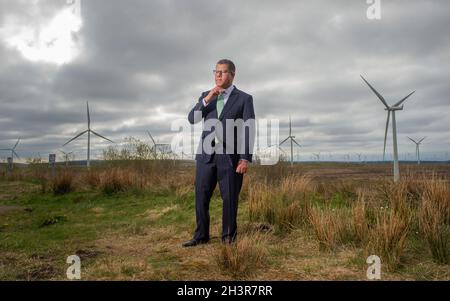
pixel 127 218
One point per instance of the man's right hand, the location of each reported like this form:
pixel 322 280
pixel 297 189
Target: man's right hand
pixel 212 94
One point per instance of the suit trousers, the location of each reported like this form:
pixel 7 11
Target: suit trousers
pixel 218 170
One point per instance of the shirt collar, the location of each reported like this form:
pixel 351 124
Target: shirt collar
pixel 228 91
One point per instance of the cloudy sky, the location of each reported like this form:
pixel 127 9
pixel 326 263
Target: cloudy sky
pixel 141 64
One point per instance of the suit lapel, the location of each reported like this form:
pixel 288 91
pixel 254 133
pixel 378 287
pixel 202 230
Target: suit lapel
pixel 230 102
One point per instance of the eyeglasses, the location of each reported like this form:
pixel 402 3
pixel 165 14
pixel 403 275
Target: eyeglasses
pixel 220 72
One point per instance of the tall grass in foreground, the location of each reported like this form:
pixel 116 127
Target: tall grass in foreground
pixel 244 257
pixel 117 180
pixel 388 238
pixel 434 219
pixel 361 219
pixel 342 225
pixel 380 218
pixel 330 226
pixel 63 183
pixel 285 205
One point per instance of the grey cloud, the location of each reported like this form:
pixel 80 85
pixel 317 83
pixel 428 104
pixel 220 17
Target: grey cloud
pixel 298 58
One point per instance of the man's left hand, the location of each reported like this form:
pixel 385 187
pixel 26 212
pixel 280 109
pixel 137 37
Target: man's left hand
pixel 242 167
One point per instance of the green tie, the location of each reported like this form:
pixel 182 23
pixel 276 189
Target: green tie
pixel 220 105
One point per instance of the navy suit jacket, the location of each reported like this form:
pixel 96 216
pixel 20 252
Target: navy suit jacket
pixel 238 106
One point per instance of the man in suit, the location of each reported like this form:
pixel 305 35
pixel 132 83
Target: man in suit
pixel 224 152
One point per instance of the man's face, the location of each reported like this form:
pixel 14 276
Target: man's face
pixel 223 76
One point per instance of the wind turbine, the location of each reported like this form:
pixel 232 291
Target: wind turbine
pixel 359 157
pixel 162 147
pixel 179 152
pixel 88 131
pixel 283 153
pixel 12 150
pixel 391 109
pixel 417 143
pixel 317 156
pixel 347 157
pixel 67 156
pixel 292 138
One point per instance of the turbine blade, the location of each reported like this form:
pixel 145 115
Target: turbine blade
pixel 385 133
pixel 422 139
pixel 75 137
pixel 401 101
pixel 284 140
pixel 296 143
pixel 101 136
pixel 151 137
pixel 15 154
pixel 18 140
pixel 88 115
pixel 376 92
pixel 412 140
pixel 290 126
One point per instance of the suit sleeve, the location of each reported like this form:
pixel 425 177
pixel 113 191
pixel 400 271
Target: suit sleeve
pixel 249 131
pixel 198 112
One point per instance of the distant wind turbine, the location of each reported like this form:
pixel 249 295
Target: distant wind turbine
pixel 163 148
pixel 417 143
pixel 317 156
pixel 292 138
pixel 88 131
pixel 359 156
pixel 12 150
pixel 391 109
pixel 279 148
pixel 67 156
pixel 347 156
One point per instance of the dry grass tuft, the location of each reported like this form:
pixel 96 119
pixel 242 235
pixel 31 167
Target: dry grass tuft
pixel 286 206
pixel 388 237
pixel 116 180
pixel 63 183
pixel 360 220
pixel 244 257
pixel 434 216
pixel 331 227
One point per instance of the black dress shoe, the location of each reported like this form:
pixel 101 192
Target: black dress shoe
pixel 194 242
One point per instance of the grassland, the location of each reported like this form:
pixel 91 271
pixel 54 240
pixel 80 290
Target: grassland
pixel 127 220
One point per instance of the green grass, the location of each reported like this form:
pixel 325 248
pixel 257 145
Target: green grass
pixel 58 226
pixel 25 230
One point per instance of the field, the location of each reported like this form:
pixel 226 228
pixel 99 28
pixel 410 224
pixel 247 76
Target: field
pixel 127 220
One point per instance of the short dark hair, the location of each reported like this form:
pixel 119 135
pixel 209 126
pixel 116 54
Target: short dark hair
pixel 230 65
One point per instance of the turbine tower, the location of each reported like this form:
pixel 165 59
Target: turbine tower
pixel 88 131
pixel 391 109
pixel 12 150
pixel 292 138
pixel 417 143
